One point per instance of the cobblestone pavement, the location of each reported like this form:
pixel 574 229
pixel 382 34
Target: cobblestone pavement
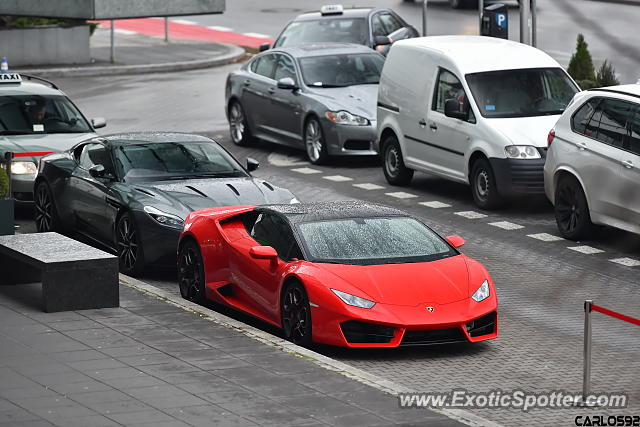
pixel 149 363
pixel 541 287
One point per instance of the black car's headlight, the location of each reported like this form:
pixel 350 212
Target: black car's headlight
pixel 346 118
pixel 164 218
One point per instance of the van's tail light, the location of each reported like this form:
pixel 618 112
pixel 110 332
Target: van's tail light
pixel 550 137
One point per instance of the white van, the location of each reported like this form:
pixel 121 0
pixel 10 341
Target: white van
pixel 471 109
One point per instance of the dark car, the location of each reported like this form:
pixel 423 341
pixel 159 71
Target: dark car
pixel 131 192
pixel 317 97
pixel 376 28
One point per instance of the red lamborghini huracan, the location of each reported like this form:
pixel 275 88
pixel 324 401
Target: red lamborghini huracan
pixel 341 273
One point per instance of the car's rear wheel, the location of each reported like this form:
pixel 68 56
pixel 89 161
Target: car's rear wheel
pixel 46 215
pixel 571 209
pixel 296 314
pixel 483 185
pixel 315 142
pixel 393 166
pixel 238 124
pixel 191 273
pixel 129 246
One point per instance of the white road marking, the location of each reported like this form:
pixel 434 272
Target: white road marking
pixel 401 195
pixel 219 28
pixel 435 204
pixel 627 262
pixel 368 186
pixel 471 214
pixel 184 21
pixel 338 178
pixel 306 171
pixel 506 225
pixel 586 249
pixel 284 160
pixel 545 237
pixel 124 32
pixel 257 35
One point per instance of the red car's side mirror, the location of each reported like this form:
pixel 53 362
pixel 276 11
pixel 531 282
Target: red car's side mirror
pixel 455 241
pixel 263 252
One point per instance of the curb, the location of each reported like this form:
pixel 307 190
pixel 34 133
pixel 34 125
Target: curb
pixel 323 361
pixel 234 54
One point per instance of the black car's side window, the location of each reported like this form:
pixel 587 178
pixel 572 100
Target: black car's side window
pixel 264 66
pixel 391 23
pixel 377 28
pixel 95 154
pixel 285 68
pixel 271 230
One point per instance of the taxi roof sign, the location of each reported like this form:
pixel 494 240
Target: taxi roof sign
pixel 10 78
pixel 331 9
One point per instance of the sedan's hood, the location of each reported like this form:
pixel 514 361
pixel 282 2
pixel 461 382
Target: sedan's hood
pixel 42 142
pixel 360 99
pixel 195 194
pixel 440 282
pixel 525 130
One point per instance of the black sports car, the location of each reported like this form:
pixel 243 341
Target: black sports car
pixel 131 192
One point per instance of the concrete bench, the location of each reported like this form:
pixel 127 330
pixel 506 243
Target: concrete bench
pixel 74 276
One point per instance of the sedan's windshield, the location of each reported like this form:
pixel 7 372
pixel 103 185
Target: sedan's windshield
pixel 521 93
pixel 366 241
pixel 145 161
pixel 340 30
pixel 39 114
pixel 342 70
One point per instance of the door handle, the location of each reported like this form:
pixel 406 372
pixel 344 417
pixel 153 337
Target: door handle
pixel 627 164
pixel 272 90
pixel 433 127
pixel 247 82
pixel 582 145
pixel 422 123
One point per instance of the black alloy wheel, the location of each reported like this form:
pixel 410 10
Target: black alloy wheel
pixel 128 246
pixel 46 215
pixel 393 166
pixel 483 185
pixel 571 210
pixel 191 273
pixel 296 315
pixel 238 124
pixel 315 143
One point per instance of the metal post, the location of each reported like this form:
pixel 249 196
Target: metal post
pixel 525 22
pixel 424 18
pixel 8 158
pixel 113 41
pixel 586 378
pixel 166 29
pixel 534 24
pixel 480 13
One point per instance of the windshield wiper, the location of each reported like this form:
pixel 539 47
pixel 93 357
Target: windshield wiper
pixel 327 85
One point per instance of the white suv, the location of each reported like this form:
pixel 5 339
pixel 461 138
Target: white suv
pixel 592 173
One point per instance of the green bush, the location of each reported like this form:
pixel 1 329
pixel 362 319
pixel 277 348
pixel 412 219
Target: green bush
pixel 581 64
pixel 4 183
pixel 30 22
pixel 606 75
pixel 587 84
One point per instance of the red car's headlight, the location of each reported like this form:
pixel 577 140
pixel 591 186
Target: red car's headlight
pixel 353 300
pixel 482 292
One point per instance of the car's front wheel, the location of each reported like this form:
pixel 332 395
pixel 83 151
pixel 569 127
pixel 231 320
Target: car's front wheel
pixel 191 273
pixel 315 142
pixel 393 166
pixel 296 314
pixel 46 215
pixel 571 209
pixel 238 124
pixel 483 185
pixel 129 246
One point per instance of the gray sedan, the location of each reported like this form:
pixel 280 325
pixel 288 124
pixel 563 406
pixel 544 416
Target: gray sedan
pixel 320 97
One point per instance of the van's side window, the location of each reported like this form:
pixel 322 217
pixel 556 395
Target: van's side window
pixel 449 87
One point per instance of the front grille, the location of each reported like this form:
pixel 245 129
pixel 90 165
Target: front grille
pixel 527 177
pixel 357 144
pixel 361 332
pixel 433 336
pixel 483 326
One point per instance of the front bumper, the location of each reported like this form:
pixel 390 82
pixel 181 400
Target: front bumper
pixel 346 140
pixel 516 177
pixel 392 326
pixel 159 242
pixel 22 187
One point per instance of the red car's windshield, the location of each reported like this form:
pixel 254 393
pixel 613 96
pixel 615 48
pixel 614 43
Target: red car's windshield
pixel 367 241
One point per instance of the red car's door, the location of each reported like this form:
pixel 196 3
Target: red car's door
pixel 259 280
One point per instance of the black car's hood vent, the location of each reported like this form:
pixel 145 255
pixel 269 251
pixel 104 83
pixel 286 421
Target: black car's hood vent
pixel 195 190
pixel 143 191
pixel 233 189
pixel 269 186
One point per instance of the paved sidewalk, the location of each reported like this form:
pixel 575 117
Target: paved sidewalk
pixel 136 53
pixel 152 363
